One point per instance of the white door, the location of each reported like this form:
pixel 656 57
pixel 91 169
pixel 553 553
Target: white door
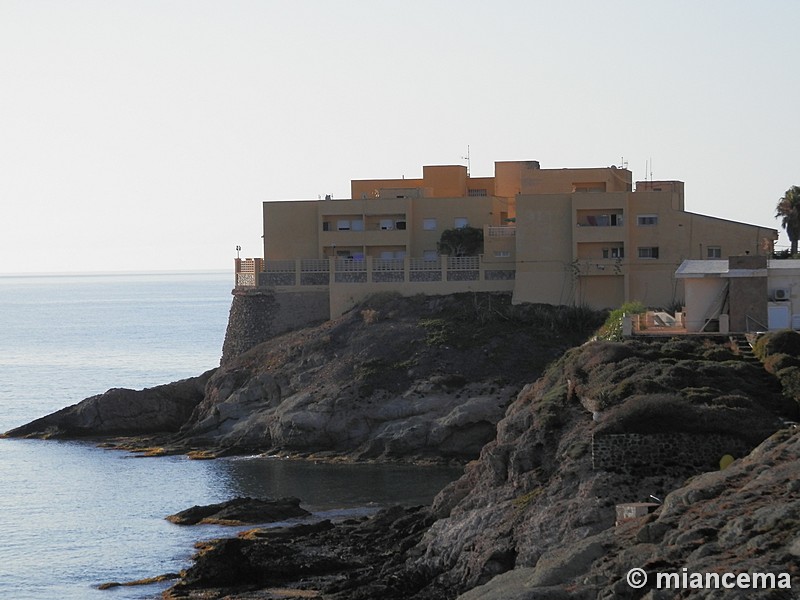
pixel 778 317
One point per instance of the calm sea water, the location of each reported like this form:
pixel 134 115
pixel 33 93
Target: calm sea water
pixel 73 516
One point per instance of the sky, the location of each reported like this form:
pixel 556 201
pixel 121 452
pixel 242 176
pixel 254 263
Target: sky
pixel 140 135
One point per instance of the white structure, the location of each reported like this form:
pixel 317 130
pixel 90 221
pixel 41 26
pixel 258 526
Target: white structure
pixel 746 293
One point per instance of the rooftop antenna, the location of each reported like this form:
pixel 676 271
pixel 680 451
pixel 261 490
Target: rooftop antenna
pixel 469 163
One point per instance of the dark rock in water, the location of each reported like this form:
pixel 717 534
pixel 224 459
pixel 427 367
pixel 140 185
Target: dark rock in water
pixel 120 411
pixel 241 511
pixel 353 560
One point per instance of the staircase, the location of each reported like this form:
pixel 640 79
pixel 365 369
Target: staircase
pixel 741 343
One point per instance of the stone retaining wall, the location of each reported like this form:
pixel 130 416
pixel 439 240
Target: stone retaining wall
pixel 259 314
pixel 664 452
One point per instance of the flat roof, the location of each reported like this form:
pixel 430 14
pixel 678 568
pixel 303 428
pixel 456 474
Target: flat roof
pixel 701 268
pixel 711 268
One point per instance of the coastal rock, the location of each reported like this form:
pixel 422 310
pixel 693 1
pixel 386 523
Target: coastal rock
pixel 533 517
pixel 120 411
pixel 740 520
pixel 424 378
pixel 413 379
pixel 353 560
pixel 241 511
pixel 535 498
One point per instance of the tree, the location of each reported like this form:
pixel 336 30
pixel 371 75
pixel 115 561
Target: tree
pixel 788 210
pixel 462 241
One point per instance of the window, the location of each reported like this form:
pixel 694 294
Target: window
pixel 615 252
pixel 387 224
pixel 647 220
pixel 348 225
pixel 714 252
pixel 460 222
pixel 502 254
pixel 326 226
pixel 430 255
pixel 400 225
pixel 429 224
pixel 475 193
pixel 648 252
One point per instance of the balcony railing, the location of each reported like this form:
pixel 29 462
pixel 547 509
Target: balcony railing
pixel 257 272
pixel 508 231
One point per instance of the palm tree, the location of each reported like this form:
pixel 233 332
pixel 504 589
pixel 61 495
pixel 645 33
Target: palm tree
pixel 788 210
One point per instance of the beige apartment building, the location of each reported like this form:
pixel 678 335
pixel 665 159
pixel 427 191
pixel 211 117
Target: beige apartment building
pixel 556 236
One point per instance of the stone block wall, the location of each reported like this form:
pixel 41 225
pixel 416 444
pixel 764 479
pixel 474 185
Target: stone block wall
pixel 679 453
pixel 259 314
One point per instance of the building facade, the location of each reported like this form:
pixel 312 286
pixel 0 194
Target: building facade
pixel 556 236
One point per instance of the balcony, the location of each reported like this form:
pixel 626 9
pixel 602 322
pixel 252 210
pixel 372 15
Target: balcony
pixel 300 273
pixel 508 231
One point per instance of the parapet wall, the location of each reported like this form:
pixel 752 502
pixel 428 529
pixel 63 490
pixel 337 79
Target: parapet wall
pixel 664 452
pixel 259 314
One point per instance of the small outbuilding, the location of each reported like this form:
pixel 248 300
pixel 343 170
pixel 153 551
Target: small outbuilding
pixel 741 294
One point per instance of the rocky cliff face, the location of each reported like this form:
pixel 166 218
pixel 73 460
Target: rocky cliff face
pixel 121 411
pixel 533 517
pixel 534 490
pixel 740 520
pixel 397 378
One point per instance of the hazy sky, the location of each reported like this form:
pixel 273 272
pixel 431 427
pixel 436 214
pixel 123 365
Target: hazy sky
pixel 139 134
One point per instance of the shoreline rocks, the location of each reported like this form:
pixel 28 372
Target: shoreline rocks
pixel 121 411
pixel 396 379
pixel 359 559
pixel 241 511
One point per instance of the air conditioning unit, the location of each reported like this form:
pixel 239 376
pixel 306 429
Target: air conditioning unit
pixel 780 294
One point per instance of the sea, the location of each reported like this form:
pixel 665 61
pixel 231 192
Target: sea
pixel 74 515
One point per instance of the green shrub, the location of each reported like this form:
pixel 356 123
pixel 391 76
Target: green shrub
pixel 790 381
pixel 777 342
pixel 612 328
pixel 779 361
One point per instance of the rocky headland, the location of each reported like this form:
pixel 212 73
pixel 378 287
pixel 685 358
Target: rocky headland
pixel 423 378
pixel 560 433
pixel 534 516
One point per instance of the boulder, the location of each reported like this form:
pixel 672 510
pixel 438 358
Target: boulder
pixel 122 411
pixel 241 511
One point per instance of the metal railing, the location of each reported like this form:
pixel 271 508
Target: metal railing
pixel 508 231
pixel 325 271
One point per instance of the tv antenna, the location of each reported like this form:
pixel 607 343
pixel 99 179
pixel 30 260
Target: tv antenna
pixel 469 163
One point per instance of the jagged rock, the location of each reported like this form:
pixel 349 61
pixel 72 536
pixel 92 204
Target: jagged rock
pixel 354 560
pixel 533 518
pixel 120 411
pixel 423 378
pixel 558 565
pixel 241 511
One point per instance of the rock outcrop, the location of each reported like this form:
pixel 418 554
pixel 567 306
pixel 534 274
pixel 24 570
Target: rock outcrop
pixel 423 378
pixel 533 518
pixel 396 378
pixel 535 487
pixel 354 560
pixel 241 511
pixel 120 411
pixel 743 520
